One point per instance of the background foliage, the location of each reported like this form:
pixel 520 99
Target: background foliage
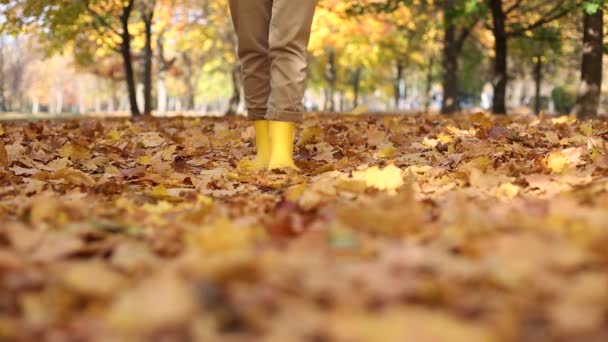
pixel 388 55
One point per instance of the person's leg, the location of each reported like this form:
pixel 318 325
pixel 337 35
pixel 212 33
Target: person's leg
pixel 251 19
pixel 290 28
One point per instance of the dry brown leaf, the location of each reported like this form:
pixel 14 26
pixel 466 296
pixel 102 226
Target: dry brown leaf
pixel 4 162
pixel 73 176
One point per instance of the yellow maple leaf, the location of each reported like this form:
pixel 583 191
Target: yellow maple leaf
pixel 482 120
pixel 508 190
pixel 586 129
pixel 248 165
pixel 296 191
pixel 557 162
pixel 390 178
pixel 309 134
pixel 444 138
pixel 563 119
pixel 113 134
pixel 552 137
pixel 75 152
pixel 111 170
pixel 387 151
pixel 159 191
pixel 145 160
pixel 159 208
pixel 222 236
pixel 432 143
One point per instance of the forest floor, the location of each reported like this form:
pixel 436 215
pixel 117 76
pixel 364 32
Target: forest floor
pixel 399 228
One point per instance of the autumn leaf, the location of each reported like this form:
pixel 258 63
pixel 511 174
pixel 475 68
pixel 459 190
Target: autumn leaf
pixel 159 191
pixel 151 139
pixel 114 134
pixel 92 279
pixel 145 160
pixel 141 307
pixel 482 120
pixel 73 176
pixel 56 246
pixel 4 162
pixel 444 138
pixel 586 129
pixel 387 151
pixel 57 164
pixel 558 161
pixel 508 190
pixel 75 152
pixel 563 119
pixel 310 134
pixel 390 178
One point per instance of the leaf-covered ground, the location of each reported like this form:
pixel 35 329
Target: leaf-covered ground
pixel 398 228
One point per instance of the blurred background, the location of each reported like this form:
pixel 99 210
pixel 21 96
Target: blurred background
pixel 172 57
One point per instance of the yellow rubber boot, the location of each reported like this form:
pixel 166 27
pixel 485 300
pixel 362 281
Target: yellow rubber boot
pixel 262 145
pixel 282 136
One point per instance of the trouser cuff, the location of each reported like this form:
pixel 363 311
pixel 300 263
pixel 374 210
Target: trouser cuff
pixel 256 115
pixel 285 115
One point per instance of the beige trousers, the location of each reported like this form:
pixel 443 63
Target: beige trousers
pixel 273 38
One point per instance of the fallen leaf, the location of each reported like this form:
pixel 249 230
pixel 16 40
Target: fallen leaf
pixel 557 162
pixel 151 139
pixel 73 176
pixel 113 134
pixel 161 301
pixel 586 129
pixel 75 152
pixel 4 162
pixel 145 160
pixel 508 190
pixel 390 178
pixel 55 246
pixel 92 279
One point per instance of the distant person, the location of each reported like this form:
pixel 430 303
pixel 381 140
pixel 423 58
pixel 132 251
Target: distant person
pixel 273 38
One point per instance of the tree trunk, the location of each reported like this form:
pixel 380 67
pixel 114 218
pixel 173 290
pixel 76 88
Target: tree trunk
pixel 191 79
pixel 59 101
pixel 501 52
pixel 356 86
pixel 588 100
pixel 97 104
pixel 164 66
pixel 190 98
pixel 148 15
pixel 3 106
pixel 125 51
pixel 35 105
pixel 161 101
pixel 538 79
pixel 429 84
pixel 81 106
pixel 450 103
pixel 397 85
pixel 331 78
pixel 110 105
pixel 235 99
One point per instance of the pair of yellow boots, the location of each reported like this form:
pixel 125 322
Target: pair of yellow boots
pixel 274 143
